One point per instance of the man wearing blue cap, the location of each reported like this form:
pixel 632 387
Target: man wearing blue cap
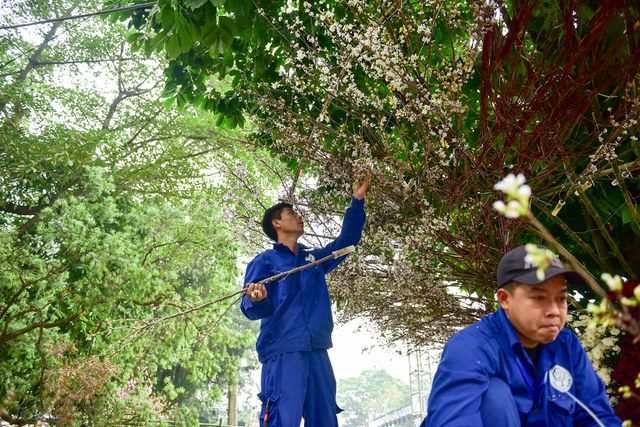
pixel 296 322
pixel 505 369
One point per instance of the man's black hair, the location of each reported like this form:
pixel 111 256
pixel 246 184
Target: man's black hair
pixel 274 212
pixel 512 286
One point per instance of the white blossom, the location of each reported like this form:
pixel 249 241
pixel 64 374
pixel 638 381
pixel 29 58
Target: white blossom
pixel 517 196
pixel 598 341
pixel 539 257
pixel 613 282
pixel 510 184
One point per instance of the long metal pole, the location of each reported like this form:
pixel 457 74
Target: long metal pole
pixel 335 254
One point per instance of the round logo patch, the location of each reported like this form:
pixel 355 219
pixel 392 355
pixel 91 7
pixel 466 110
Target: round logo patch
pixel 560 379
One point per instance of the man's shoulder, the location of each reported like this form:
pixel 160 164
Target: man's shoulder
pixel 568 338
pixel 478 334
pixel 264 256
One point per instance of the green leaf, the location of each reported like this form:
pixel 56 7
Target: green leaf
pixel 383 91
pixel 169 102
pixel 194 4
pixel 231 122
pixel 181 101
pixel 228 26
pixel 184 39
pixel 133 38
pixel 156 43
pixel 228 30
pixel 173 46
pixel 228 59
pixel 167 18
pixel 194 31
pixel 585 13
pixel 627 216
pixel 219 40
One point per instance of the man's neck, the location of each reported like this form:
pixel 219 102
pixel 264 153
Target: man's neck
pixel 290 241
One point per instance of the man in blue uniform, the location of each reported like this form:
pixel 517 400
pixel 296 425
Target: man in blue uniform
pixel 296 322
pixel 499 371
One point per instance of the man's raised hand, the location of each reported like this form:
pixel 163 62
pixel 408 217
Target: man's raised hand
pixel 362 186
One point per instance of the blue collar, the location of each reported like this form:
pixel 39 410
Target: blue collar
pixel 282 247
pixel 511 336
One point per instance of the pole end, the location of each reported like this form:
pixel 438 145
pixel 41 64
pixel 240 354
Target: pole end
pixel 343 251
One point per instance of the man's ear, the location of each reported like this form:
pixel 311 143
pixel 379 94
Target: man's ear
pixel 504 297
pixel 276 224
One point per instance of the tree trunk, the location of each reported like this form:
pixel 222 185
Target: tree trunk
pixel 232 406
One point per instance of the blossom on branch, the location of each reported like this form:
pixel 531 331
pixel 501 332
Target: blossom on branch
pixel 539 257
pixel 613 282
pixel 517 196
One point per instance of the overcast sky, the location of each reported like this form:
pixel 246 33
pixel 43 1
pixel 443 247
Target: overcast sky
pixel 357 350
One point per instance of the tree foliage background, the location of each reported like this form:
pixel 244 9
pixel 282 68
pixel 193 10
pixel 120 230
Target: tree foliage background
pixel 118 215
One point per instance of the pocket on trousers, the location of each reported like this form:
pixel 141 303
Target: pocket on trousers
pixel 270 406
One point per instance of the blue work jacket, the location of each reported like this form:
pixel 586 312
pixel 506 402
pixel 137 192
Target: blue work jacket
pixel 296 315
pixel 491 348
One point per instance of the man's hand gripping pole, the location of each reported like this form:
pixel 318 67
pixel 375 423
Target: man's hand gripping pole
pixel 334 255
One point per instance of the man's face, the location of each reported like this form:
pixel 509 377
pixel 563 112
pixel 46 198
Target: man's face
pixel 538 313
pixel 290 222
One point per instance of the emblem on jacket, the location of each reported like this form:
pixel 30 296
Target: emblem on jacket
pixel 310 258
pixel 560 378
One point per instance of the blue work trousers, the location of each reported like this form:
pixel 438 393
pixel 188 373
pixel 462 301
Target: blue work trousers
pixel 298 385
pixel 498 407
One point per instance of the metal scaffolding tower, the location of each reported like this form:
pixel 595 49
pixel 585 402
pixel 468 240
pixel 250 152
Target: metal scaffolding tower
pixel 421 366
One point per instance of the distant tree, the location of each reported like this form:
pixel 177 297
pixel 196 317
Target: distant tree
pixel 372 393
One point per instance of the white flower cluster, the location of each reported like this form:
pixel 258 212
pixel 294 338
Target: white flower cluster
pixel 613 282
pixel 375 90
pixel 600 342
pixel 610 141
pixel 539 257
pixel 602 313
pixel 376 49
pixel 517 196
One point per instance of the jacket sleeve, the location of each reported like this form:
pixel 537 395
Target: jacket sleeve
pixel 258 269
pixel 350 234
pixel 458 385
pixel 590 390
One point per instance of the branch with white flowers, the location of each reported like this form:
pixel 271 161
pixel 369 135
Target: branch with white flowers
pixel 516 204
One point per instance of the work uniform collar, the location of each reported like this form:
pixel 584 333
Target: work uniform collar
pixel 522 359
pixel 284 248
pixel 510 338
pixel 510 335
